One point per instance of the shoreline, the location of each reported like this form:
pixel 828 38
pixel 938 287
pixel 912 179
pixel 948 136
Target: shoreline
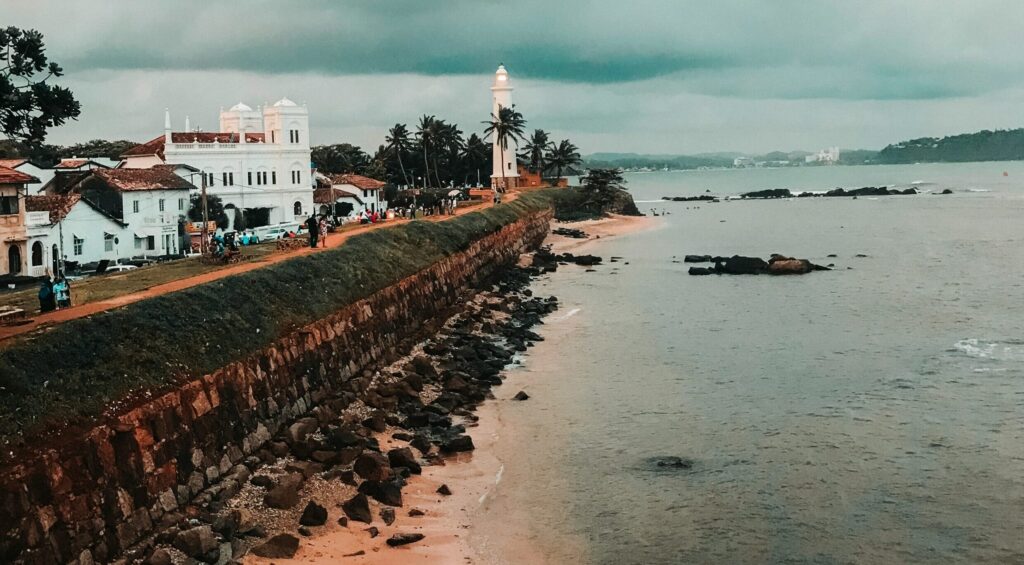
pixel 473 477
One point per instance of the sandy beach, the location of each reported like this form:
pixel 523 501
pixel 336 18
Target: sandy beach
pixel 452 535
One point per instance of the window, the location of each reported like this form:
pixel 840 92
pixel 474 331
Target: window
pixel 135 206
pixel 78 242
pixel 510 166
pixel 297 209
pixel 108 242
pixel 151 242
pixel 161 204
pixel 8 205
pixel 273 138
pixel 250 178
pixel 273 177
pixel 224 179
pixel 37 254
pixel 293 135
pixel 181 204
pixel 231 179
pixel 365 193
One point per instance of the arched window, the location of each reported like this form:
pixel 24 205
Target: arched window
pixel 297 208
pixel 37 254
pixel 14 259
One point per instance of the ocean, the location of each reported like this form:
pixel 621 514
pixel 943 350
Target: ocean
pixel 870 414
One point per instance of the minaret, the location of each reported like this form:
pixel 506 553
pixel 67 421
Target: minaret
pixel 501 93
pixel 167 125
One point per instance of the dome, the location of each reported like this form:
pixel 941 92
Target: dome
pixel 240 107
pixel 501 77
pixel 285 102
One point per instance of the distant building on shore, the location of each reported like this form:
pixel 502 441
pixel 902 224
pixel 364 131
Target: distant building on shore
pixel 741 162
pixel 501 97
pixel 828 156
pixel 259 162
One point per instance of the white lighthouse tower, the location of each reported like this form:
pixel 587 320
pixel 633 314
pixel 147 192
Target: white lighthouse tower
pixel 501 93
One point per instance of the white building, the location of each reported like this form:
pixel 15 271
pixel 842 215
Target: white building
pixel 362 193
pixel 259 161
pixel 68 227
pixel 149 203
pixel 501 97
pixel 22 165
pixel 828 156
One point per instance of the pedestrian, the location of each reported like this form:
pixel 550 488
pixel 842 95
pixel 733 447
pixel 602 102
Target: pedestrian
pixel 323 229
pixel 62 292
pixel 47 300
pixel 314 230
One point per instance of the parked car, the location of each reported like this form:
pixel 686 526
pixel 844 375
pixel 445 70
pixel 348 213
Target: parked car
pixel 273 234
pixel 120 268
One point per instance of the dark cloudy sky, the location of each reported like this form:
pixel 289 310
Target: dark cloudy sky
pixel 656 76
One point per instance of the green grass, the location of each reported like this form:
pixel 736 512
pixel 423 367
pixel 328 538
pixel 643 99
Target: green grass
pixel 69 373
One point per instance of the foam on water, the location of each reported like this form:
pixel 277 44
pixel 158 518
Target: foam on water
pixel 1011 350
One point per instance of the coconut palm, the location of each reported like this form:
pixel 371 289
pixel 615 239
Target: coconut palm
pixel 398 142
pixel 535 149
pixel 425 131
pixel 563 156
pixel 505 126
pixel 474 156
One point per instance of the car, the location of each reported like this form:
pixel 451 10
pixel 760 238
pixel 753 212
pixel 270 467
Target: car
pixel 273 234
pixel 120 268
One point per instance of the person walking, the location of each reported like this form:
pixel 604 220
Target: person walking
pixel 62 292
pixel 323 230
pixel 47 300
pixel 314 230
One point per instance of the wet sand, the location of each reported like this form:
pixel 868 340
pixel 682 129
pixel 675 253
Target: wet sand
pixel 453 533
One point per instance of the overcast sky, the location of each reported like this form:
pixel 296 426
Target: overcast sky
pixel 652 76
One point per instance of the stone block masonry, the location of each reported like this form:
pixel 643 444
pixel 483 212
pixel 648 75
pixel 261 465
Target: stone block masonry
pixel 93 494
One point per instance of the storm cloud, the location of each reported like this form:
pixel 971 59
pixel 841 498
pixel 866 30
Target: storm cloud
pixel 647 75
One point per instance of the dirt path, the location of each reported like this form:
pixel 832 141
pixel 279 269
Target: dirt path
pixel 333 240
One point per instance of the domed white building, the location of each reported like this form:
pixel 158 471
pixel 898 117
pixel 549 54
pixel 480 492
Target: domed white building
pixel 258 162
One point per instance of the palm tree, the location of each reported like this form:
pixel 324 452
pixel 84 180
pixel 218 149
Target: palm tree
pixel 398 141
pixel 506 126
pixel 535 149
pixel 565 155
pixel 425 133
pixel 474 155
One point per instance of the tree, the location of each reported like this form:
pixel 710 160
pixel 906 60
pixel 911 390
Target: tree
pixel 474 155
pixel 98 148
pixel 601 187
pixel 425 133
pixel 340 158
pixel 536 149
pixel 398 142
pixel 214 209
pixel 505 126
pixel 563 156
pixel 28 105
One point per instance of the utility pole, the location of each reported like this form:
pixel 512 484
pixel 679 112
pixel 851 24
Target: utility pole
pixel 206 219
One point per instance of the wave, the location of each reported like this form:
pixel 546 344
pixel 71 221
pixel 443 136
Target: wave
pixel 1009 350
pixel 979 190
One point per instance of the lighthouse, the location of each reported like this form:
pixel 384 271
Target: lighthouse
pixel 501 94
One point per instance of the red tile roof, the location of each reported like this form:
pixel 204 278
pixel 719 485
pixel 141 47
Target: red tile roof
pixel 12 163
pixel 155 146
pixel 10 176
pixel 358 181
pixel 331 195
pixel 58 205
pixel 130 180
pixel 71 163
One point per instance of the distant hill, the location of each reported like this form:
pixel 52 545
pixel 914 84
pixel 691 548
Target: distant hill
pixel 999 145
pixel 641 161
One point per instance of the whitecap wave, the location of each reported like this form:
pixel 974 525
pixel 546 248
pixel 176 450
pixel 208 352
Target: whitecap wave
pixel 979 190
pixel 1010 350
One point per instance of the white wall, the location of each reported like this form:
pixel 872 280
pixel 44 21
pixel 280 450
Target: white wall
pixel 151 221
pixel 90 226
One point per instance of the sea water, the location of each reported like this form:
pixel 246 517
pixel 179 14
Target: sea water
pixel 870 414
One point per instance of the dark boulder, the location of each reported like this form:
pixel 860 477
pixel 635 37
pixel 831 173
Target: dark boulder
pixel 521 395
pixel 388 492
pixel 373 467
pixel 404 539
pixel 313 515
pixel 444 490
pixel 281 546
pixel 196 542
pixel 739 265
pixel 770 193
pixel 403 457
pixel 387 515
pixel 286 493
pixel 697 259
pixel 358 508
pixel 458 444
pixel 700 271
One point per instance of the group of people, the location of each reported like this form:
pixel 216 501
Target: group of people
pixel 318 226
pixel 54 294
pixel 442 207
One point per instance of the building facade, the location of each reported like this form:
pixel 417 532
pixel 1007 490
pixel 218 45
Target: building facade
pixel 259 161
pixel 15 240
pixel 505 166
